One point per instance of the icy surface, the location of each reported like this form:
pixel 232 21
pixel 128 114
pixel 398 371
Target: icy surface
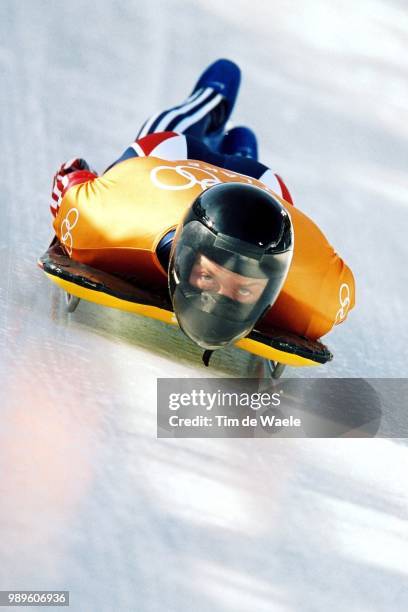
pixel 90 500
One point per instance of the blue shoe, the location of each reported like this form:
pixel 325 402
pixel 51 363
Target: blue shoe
pixel 240 141
pixel 224 77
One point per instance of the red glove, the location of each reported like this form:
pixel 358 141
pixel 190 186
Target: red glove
pixel 71 173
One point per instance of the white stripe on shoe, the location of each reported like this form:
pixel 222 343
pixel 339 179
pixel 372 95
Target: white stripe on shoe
pixel 161 127
pixel 187 122
pixel 145 129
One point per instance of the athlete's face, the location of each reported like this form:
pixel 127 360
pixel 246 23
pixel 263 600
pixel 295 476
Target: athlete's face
pixel 210 276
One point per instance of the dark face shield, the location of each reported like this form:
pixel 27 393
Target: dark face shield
pixel 217 308
pixel 208 327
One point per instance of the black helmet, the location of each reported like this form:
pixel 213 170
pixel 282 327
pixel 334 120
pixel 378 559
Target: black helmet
pixel 229 259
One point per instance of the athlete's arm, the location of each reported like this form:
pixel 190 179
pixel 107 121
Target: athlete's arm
pixel 71 173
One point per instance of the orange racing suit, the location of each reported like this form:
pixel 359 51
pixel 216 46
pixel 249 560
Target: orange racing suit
pixel 115 222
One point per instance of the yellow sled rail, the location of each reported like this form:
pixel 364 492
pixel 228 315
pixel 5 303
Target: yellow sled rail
pixel 101 288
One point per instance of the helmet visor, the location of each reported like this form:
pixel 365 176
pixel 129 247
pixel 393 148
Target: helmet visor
pixel 220 286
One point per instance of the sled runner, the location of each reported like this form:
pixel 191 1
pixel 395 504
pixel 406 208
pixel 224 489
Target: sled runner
pixel 80 281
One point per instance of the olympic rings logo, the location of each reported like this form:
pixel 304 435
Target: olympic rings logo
pixel 344 297
pixel 67 225
pixel 186 173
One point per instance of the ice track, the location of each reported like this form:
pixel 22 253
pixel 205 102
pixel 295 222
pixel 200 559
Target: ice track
pixel 90 500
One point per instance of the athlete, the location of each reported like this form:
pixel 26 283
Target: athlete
pixel 189 206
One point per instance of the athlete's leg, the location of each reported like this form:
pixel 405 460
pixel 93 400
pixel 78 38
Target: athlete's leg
pixel 237 163
pixel 240 141
pixel 173 146
pixel 193 116
pixel 205 112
